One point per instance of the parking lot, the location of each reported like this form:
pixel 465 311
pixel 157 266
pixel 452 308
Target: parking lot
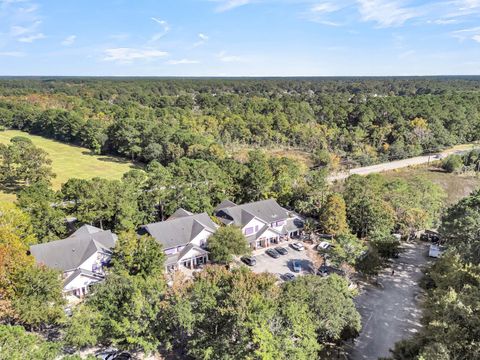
pixel 283 264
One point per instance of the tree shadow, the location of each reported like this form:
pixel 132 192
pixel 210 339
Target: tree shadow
pixel 114 159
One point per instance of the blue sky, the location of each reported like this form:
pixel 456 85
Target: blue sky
pixel 239 37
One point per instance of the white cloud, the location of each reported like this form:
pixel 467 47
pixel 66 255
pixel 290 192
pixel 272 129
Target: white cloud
pixel 468 34
pixel 130 54
pixel 385 13
pixel 225 5
pixel 32 37
pixel 12 53
pixel 69 40
pixel 165 29
pixel 202 39
pixel 182 62
pixel 224 57
pixel 325 7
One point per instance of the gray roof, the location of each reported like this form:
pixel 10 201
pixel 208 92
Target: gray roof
pixel 180 213
pixel 240 215
pixel 180 231
pixel 294 224
pixel 173 259
pixel 70 253
pixel 224 204
pixel 78 272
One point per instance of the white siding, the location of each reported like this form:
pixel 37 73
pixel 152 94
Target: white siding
pixel 204 235
pixel 254 223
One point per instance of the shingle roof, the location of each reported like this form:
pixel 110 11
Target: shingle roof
pixel 70 253
pixel 180 230
pixel 239 215
pixel 79 272
pixel 224 204
pixel 180 213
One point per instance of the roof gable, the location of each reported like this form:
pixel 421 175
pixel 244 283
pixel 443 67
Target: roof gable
pixel 267 211
pixel 70 253
pixel 180 231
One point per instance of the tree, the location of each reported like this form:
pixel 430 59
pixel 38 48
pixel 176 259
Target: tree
pixel 385 244
pixel 38 300
pixel 333 216
pixel 226 242
pixel 22 163
pixel 47 217
pixel 331 304
pixel 459 228
pixel 17 344
pixel 138 255
pixel 259 179
pixel 366 210
pixel 346 248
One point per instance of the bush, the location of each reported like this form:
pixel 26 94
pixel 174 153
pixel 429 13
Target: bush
pixel 452 163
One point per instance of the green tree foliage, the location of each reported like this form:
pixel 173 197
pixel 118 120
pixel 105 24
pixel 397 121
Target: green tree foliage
pixel 37 299
pixel 22 163
pixel 138 255
pixel 239 315
pixel 460 225
pixel 17 344
pixel 333 217
pixel 43 206
pixel 346 249
pixel 259 179
pixel 367 211
pixel 385 244
pixel 330 303
pixel 227 242
pixel 452 163
pixel 122 310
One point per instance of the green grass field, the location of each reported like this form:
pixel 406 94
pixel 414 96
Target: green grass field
pixel 69 161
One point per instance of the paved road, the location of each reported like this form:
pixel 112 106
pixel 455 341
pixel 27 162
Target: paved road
pixel 390 312
pixel 398 164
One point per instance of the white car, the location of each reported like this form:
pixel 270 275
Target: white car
pixel 323 246
pixel 298 246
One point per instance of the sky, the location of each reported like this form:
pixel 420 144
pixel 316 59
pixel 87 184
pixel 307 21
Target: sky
pixel 239 37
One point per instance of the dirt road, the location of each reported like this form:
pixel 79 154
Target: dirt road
pixel 398 164
pixel 391 311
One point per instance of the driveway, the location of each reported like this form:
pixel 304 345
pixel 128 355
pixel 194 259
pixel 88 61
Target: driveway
pixel 390 312
pixel 283 264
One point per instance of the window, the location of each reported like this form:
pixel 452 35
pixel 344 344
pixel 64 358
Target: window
pixel 249 231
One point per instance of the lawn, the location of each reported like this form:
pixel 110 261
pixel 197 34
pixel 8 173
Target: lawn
pixel 69 161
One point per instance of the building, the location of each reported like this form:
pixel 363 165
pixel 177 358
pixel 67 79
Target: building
pixel 183 237
pixel 262 222
pixel 81 257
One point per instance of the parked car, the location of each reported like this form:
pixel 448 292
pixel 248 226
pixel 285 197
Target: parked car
pixel 298 246
pixel 273 253
pixel 323 246
pixel 296 266
pixel 288 277
pixel 114 355
pixel 325 270
pixel 249 260
pixel 281 250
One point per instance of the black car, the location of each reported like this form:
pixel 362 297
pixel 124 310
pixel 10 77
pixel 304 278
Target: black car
pixel 273 253
pixel 114 355
pixel 281 250
pixel 288 277
pixel 249 260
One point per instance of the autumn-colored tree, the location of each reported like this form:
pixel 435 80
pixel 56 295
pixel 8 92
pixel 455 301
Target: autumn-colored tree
pixel 333 217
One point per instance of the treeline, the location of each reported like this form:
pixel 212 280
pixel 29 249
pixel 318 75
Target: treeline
pixel 362 120
pixel 451 325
